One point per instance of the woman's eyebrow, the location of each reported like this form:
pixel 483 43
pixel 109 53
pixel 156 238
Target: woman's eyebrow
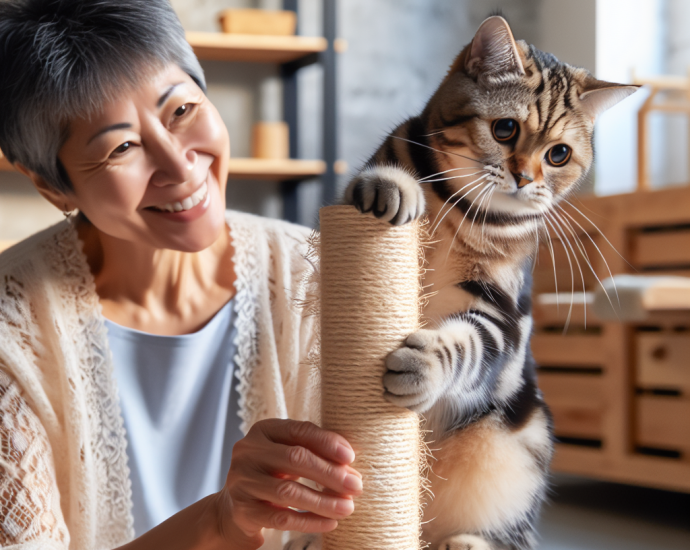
pixel 167 93
pixel 127 125
pixel 119 126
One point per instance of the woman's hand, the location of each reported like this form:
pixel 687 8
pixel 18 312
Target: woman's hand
pixel 262 485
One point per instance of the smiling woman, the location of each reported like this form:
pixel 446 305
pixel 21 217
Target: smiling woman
pixel 150 353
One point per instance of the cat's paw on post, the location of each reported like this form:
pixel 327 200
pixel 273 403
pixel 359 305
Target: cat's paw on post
pixel 415 376
pixel 465 542
pixel 304 542
pixel 389 193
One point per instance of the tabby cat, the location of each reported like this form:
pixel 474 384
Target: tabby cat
pixel 507 135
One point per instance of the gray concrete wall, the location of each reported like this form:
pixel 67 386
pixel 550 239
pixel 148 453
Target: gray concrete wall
pixel 568 30
pixel 399 51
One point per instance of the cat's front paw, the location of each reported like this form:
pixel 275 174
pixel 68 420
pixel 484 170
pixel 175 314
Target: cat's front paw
pixel 464 542
pixel 304 542
pixel 388 192
pixel 415 376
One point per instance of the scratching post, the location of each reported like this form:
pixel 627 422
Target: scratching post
pixel 369 304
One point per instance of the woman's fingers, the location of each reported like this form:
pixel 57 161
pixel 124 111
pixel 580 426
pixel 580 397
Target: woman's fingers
pixel 286 493
pixel 262 481
pixel 328 445
pixel 266 515
pixel 302 462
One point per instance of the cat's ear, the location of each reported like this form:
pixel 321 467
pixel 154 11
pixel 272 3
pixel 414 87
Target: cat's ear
pixel 493 50
pixel 599 96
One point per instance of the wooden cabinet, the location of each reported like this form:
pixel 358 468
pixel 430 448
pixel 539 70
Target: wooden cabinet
pixel 619 392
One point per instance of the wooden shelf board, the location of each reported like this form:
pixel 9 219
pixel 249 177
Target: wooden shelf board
pixel 661 473
pixel 265 169
pixel 259 169
pixel 254 48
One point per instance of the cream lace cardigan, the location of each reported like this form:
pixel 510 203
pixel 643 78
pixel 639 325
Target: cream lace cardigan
pixel 64 480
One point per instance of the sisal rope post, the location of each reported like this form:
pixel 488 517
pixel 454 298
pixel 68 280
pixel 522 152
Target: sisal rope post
pixel 369 305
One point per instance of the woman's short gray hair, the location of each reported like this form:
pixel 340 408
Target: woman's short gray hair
pixel 62 59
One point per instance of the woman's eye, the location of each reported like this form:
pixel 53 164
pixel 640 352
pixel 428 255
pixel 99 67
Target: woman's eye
pixel 505 129
pixel 559 155
pixel 122 148
pixel 182 110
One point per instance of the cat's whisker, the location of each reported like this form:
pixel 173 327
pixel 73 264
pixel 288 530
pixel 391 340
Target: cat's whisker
pixel 583 253
pixel 469 209
pixel 486 210
pixel 437 150
pixel 600 233
pixel 478 181
pixel 572 274
pixel 549 243
pixel 449 199
pixel 436 133
pixel 536 247
pixel 556 220
pixel 446 171
pixel 600 254
pixel 454 177
pixel 486 192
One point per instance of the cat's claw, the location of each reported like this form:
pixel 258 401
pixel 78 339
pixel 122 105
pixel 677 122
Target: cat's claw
pixel 415 377
pixel 389 193
pixel 304 542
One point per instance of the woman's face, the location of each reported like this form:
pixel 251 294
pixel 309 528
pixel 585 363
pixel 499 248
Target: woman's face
pixel 151 167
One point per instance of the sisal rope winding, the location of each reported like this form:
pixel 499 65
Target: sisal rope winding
pixel 369 304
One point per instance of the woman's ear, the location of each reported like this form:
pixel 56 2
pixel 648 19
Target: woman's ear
pixel 59 200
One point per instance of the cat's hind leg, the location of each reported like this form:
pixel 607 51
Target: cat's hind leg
pixel 465 542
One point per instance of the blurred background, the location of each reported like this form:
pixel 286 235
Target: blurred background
pixel 303 114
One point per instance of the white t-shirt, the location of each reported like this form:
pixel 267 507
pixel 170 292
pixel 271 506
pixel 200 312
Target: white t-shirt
pixel 179 405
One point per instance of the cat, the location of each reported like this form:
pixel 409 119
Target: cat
pixel 505 138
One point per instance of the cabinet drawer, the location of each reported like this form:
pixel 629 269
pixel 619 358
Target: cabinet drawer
pixel 662 248
pixel 663 422
pixel 555 350
pixel 663 362
pixel 577 403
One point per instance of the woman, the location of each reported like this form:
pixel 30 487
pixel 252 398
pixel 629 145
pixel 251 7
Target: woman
pixel 102 105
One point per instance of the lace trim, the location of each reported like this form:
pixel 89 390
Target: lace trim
pixel 29 502
pixel 113 517
pixel 248 272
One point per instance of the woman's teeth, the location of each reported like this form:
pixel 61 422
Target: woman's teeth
pixel 186 204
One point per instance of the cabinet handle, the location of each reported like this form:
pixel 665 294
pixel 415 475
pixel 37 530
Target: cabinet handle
pixel 660 353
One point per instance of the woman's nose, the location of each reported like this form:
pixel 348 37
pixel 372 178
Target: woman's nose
pixel 174 162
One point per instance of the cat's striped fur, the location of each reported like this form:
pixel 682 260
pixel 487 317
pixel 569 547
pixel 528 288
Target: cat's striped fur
pixel 471 371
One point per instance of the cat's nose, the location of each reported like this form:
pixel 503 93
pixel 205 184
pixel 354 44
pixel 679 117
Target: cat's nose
pixel 522 179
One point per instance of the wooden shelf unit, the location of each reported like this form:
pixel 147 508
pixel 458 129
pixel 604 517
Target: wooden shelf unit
pixel 619 392
pixel 254 48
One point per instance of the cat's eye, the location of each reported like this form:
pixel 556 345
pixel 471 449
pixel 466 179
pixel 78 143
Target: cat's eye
pixel 505 129
pixel 559 155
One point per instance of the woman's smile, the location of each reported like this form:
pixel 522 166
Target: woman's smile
pixel 187 203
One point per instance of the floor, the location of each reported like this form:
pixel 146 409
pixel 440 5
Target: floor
pixel 584 514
